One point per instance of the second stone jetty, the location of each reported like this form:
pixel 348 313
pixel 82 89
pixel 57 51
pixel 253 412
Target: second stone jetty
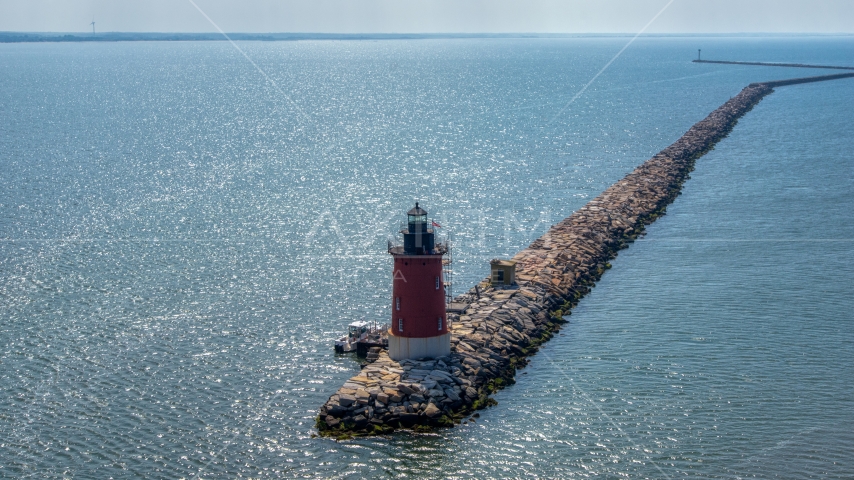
pixel 775 64
pixel 503 326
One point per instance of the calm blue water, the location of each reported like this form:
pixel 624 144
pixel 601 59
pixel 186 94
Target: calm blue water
pixel 180 240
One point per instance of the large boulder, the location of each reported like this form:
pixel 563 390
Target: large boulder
pixel 409 419
pixel 452 395
pixel 471 362
pixel 361 421
pixel 332 422
pixel 432 411
pixel 427 384
pixel 406 389
pixel 337 411
pixel 398 410
pixel 436 393
pixel 440 376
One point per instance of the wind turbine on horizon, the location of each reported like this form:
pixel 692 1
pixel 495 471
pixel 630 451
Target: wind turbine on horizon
pixel 93 25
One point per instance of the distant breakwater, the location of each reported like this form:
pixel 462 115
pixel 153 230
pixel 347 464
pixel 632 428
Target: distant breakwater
pixel 775 64
pixel 503 326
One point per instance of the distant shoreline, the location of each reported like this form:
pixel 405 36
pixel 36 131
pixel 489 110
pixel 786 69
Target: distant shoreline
pixel 39 37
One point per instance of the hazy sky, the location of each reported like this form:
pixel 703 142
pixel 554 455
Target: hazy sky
pixel 398 16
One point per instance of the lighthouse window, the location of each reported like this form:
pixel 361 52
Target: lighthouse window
pixel 400 324
pixel 397 303
pixel 437 283
pixel 440 323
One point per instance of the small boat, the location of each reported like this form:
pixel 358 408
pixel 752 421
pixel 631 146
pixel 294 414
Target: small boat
pixel 355 332
pixel 364 333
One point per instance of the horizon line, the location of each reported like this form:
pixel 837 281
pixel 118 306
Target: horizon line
pixel 83 32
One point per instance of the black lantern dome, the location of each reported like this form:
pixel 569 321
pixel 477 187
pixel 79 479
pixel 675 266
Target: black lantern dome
pixel 417 219
pixel 417 238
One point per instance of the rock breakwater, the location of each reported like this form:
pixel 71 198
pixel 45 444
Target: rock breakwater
pixel 503 326
pixel 776 64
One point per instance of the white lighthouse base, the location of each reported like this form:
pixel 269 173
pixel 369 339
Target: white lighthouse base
pixel 400 348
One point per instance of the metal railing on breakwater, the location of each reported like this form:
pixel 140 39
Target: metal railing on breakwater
pixel 503 326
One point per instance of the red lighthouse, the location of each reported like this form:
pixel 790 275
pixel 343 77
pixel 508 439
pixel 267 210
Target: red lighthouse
pixel 419 326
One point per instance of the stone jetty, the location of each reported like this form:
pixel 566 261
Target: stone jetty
pixel 775 64
pixel 503 326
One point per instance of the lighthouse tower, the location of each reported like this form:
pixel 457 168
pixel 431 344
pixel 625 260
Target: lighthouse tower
pixel 419 326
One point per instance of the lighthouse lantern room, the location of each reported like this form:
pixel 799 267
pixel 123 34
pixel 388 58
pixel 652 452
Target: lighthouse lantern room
pixel 419 326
